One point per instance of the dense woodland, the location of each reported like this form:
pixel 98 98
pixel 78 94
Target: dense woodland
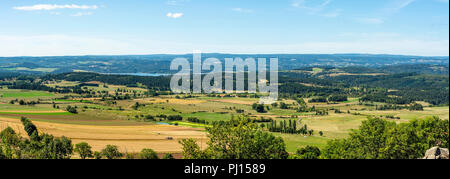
pixel 161 63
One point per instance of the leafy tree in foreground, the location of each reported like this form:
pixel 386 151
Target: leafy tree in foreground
pixel 9 144
pixel 147 154
pixel 97 155
pixel 309 152
pixel 191 150
pixel 236 139
pixel 29 127
pixel 168 156
pixel 111 152
pixel 54 148
pixel 44 146
pixel 84 150
pixel 380 139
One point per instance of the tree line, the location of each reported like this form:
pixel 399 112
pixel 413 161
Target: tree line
pixel 46 146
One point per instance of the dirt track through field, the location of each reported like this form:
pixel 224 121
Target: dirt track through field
pixel 128 138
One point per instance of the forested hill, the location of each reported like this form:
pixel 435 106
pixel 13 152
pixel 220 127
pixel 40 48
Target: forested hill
pixel 403 85
pixel 161 63
pixel 156 83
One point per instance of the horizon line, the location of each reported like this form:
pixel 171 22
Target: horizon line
pixel 221 53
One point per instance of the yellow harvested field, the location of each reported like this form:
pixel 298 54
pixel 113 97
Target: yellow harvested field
pixel 127 138
pixel 171 101
pixel 236 101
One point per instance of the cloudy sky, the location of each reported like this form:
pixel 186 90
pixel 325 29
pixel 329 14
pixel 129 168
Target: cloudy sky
pixel 113 27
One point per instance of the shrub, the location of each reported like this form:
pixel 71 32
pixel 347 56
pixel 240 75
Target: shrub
pixel 97 155
pixel 168 156
pixel 84 150
pixel 111 152
pixel 148 154
pixel 380 139
pixel 309 152
pixel 71 109
pixel 318 100
pixel 175 118
pixel 337 98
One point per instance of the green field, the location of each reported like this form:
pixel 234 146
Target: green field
pixel 16 107
pixel 44 114
pixel 72 101
pixel 294 142
pixel 23 93
pixel 317 70
pixel 96 112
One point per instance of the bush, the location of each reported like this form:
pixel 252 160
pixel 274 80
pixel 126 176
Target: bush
pixel 309 152
pixel 97 155
pixel 29 127
pixel 416 107
pixel 84 150
pixel 130 156
pixel 9 137
pixel 175 118
pixel 260 108
pixel 71 109
pixel 318 100
pixel 337 98
pixel 111 152
pixel 283 106
pixel 168 156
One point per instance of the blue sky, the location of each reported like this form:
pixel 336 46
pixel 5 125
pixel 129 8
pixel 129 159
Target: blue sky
pixel 113 27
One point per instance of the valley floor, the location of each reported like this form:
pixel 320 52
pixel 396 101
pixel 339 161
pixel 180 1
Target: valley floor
pixel 100 123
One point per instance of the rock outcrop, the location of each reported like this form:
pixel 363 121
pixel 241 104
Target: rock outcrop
pixel 436 153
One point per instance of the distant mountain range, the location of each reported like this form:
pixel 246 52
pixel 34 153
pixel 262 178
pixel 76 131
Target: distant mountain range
pixel 160 63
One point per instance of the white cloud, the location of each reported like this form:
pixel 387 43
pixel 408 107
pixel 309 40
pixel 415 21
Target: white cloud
pixel 176 2
pixel 303 4
pixel 316 7
pixel 370 20
pixel 369 36
pixel 54 7
pixel 332 14
pixel 243 10
pixel 82 14
pixel 175 15
pixel 403 3
pixel 396 6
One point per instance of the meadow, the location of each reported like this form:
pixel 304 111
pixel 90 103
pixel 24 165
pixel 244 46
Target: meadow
pixel 23 94
pixel 101 122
